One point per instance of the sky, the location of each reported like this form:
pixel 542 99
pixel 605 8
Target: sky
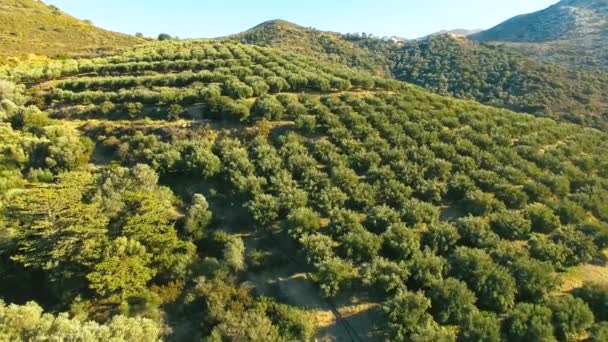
pixel 209 19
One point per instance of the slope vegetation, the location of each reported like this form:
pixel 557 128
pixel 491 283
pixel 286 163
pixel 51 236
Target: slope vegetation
pixel 328 46
pixel 217 164
pixel 498 77
pixel 32 27
pixel 448 65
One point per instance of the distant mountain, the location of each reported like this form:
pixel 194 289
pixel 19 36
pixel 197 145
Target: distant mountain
pixel 457 32
pixel 32 27
pixel 572 32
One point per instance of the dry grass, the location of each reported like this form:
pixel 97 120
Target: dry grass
pixel 32 27
pixel 588 273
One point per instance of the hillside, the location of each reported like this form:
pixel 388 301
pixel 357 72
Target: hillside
pixel 329 46
pixel 32 27
pixel 447 65
pixel 221 191
pixel 571 32
pixel 499 77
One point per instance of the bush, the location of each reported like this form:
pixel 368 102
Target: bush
pixel 571 317
pixel 400 242
pixel 385 276
pixel 306 123
pixel 510 225
pixel 174 111
pixel 441 238
pixel 277 84
pixel 596 296
pixel 529 322
pixel 452 302
pixel 267 107
pixel 542 218
pixel 302 221
pixel 333 275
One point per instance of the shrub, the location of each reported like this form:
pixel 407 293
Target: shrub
pixel 510 225
pixel 268 107
pixel 529 322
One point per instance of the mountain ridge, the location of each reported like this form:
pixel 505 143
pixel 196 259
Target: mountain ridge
pixel 571 32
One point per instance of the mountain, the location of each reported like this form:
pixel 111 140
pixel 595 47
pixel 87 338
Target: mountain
pixel 499 77
pixel 457 32
pixel 214 190
pixel 32 27
pixel 572 32
pixel 449 65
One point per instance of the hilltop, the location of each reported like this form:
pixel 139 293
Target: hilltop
pixel 32 27
pixel 571 32
pixel 328 46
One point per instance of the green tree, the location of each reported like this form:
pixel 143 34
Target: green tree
pixel 480 327
pixel 529 322
pixel 535 280
pixel 333 275
pixel 542 218
pixel 596 296
pixel 303 221
pixel 198 217
pixel 452 302
pixel 510 225
pixel 387 277
pixel 493 285
pixel 123 271
pixel 599 332
pixel 56 232
pixel 408 319
pixel 400 242
pixel 28 322
pixel 317 247
pixel 174 111
pixel 441 238
pixel 571 317
pixel 267 106
pixel 234 254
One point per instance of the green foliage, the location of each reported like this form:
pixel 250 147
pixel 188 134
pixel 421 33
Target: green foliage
pixel 571 317
pixel 480 326
pixel 595 295
pixel 124 270
pixel 493 285
pixel 333 275
pixel 408 319
pixel 387 277
pixel 303 221
pixel 400 242
pixel 198 218
pixel 234 254
pixel 164 36
pixel 268 107
pixel 529 322
pixel 452 302
pixel 542 218
pixel 599 332
pixel 535 280
pixel 29 322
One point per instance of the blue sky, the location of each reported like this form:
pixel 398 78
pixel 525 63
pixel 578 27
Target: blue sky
pixel 206 19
